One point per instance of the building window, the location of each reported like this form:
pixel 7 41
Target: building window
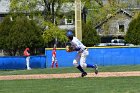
pixel 69 21
pixel 121 28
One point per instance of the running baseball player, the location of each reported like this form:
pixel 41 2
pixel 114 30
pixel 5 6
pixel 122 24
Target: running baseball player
pixel 82 52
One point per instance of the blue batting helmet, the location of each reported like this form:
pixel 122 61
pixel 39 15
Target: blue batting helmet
pixel 69 33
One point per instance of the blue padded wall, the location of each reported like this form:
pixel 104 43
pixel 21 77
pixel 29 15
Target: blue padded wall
pixel 104 56
pixel 19 62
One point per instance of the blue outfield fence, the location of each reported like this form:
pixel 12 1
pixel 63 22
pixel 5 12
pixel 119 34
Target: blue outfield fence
pixel 19 62
pixel 103 56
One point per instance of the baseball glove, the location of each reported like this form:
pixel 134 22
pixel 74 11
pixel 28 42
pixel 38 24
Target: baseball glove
pixel 69 48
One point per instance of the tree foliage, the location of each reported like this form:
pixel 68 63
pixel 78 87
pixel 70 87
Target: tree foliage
pixel 90 37
pixel 133 33
pixel 24 6
pixel 46 12
pixel 53 32
pixel 19 34
pixel 49 9
pixel 98 13
pixel 5 27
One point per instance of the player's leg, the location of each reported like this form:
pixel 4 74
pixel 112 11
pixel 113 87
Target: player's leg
pixel 84 64
pixel 95 67
pixel 52 62
pixel 56 63
pixel 75 63
pixel 28 63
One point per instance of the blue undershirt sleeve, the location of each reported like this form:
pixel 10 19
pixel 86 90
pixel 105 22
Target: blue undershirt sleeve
pixel 77 49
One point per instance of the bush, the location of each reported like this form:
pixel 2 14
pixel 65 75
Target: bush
pixel 18 34
pixel 133 33
pixel 89 34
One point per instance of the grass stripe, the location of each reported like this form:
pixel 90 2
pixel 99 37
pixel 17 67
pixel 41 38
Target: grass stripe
pixel 77 85
pixel 70 70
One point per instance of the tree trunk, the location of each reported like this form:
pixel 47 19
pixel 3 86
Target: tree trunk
pixel 53 13
pixel 47 11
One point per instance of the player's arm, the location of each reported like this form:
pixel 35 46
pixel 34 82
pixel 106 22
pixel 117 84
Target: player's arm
pixel 70 47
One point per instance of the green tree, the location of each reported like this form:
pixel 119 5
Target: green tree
pixel 53 32
pixel 49 9
pixel 5 27
pixel 48 14
pixel 19 34
pixel 90 37
pixel 133 33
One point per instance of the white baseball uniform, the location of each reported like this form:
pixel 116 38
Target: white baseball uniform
pixel 82 52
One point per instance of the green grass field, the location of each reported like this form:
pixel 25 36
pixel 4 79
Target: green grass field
pixel 70 70
pixel 76 85
pixel 72 85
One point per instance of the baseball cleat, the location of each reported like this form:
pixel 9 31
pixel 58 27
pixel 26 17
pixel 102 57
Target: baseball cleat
pixel 83 74
pixel 29 68
pixel 96 69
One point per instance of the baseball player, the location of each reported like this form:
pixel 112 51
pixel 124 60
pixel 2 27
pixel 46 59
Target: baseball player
pixel 82 53
pixel 27 54
pixel 54 60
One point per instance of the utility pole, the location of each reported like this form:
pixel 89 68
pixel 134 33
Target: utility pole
pixel 78 22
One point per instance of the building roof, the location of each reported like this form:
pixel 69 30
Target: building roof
pixel 109 17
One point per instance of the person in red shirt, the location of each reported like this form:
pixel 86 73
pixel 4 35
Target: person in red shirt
pixel 54 60
pixel 27 54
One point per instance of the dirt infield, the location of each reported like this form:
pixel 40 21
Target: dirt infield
pixel 69 75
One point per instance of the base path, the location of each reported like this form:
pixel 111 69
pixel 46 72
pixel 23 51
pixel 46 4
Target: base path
pixel 69 75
